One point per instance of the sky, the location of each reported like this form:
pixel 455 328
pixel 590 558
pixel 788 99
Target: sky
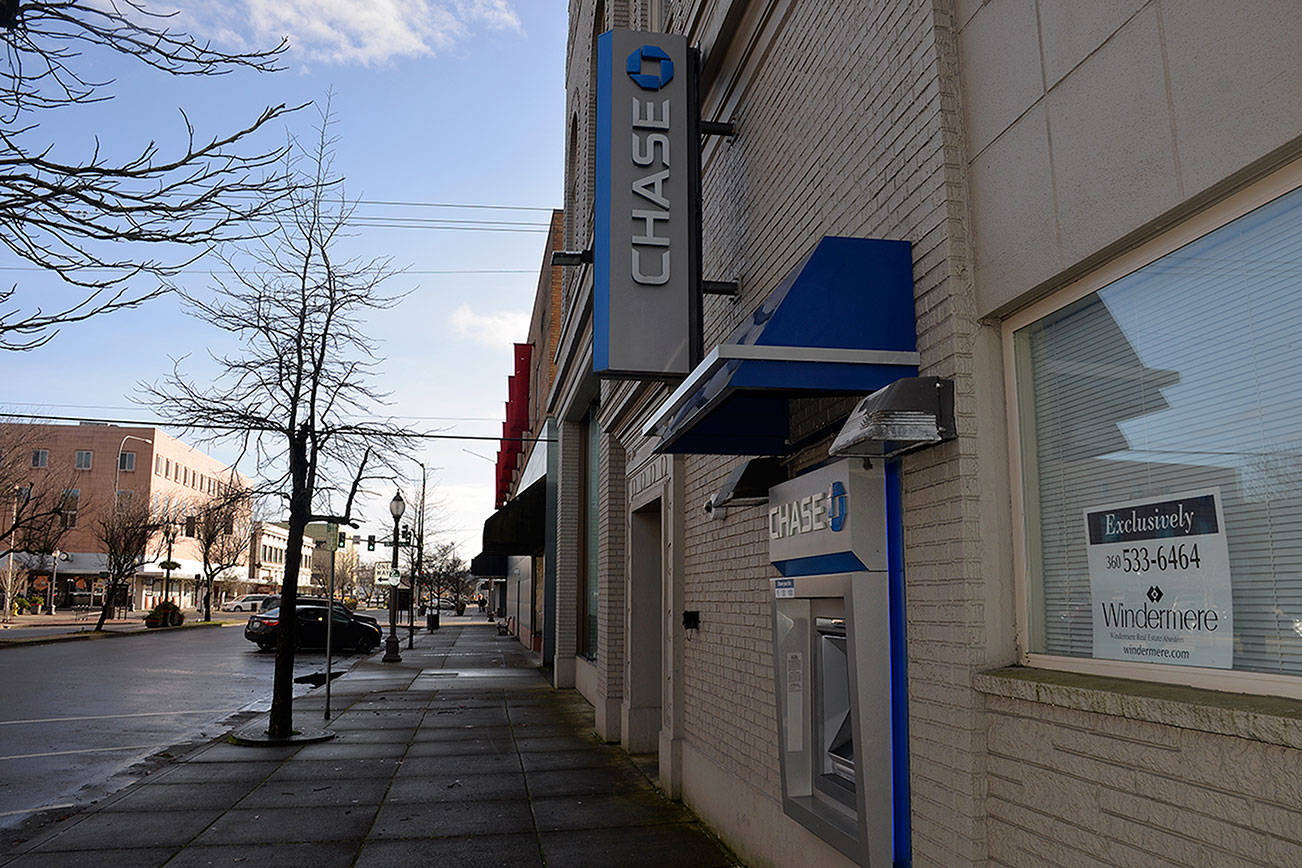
pixel 436 103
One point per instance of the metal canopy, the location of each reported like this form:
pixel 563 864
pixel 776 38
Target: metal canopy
pixel 749 481
pixel 841 323
pixel 518 528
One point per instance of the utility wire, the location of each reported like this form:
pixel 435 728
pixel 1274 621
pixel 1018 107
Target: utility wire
pixel 126 407
pixel 346 429
pixel 214 271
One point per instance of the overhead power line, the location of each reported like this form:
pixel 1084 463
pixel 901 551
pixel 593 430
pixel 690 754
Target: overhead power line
pixel 411 417
pixel 215 271
pixel 415 203
pixel 356 430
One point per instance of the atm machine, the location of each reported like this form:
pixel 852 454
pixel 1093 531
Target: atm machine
pixel 839 658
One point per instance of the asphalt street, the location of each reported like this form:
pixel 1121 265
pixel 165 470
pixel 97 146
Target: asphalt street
pixel 78 716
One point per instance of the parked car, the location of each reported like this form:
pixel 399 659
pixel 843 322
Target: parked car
pixel 350 631
pixel 247 603
pixel 273 602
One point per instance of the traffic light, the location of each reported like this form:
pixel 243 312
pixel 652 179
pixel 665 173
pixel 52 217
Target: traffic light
pixel 370 543
pixel 343 538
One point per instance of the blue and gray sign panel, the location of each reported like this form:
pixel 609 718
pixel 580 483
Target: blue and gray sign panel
pixel 830 520
pixel 644 254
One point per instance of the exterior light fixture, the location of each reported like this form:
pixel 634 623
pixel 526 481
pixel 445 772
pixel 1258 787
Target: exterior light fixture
pixel 909 414
pixel 571 257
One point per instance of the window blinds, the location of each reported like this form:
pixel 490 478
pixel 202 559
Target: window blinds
pixel 1182 376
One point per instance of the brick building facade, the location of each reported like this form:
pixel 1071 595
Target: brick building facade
pixel 1057 170
pixel 86 462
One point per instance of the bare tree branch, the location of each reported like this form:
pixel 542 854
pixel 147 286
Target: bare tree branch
pixel 87 221
pixel 304 371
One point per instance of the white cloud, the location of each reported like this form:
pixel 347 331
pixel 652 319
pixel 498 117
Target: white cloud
pixel 348 31
pixel 492 329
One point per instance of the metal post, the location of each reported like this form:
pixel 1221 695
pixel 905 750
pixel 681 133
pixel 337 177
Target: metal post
pixel 54 574
pixel 391 654
pixel 167 573
pixel 330 616
pixel 431 620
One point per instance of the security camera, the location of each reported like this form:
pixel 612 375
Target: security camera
pixel 715 512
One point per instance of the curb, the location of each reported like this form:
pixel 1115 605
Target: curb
pixel 91 635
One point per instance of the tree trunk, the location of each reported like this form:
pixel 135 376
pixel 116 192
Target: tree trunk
pixel 110 594
pixel 207 599
pixel 281 724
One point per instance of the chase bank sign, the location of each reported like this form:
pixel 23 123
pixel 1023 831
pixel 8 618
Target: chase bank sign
pixel 830 520
pixel 644 243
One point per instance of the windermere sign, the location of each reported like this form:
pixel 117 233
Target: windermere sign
pixel 644 247
pixel 1160 581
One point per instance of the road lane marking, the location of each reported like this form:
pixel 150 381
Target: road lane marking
pixel 35 810
pixel 114 716
pixel 19 756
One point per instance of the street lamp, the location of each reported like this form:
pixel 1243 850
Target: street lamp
pixel 54 574
pixel 118 470
pixel 396 507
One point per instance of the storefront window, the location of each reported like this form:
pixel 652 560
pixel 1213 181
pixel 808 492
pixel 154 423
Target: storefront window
pixel 1161 437
pixel 592 512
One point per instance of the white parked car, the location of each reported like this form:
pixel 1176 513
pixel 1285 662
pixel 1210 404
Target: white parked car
pixel 247 603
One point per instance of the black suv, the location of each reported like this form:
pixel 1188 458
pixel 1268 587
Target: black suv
pixel 350 631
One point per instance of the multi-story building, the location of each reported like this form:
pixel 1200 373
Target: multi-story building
pixel 1055 622
pixel 516 557
pixel 95 466
pixel 268 551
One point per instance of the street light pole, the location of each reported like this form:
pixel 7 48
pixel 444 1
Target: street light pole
pixel 54 574
pixel 117 473
pixel 433 620
pixel 391 655
pixel 333 541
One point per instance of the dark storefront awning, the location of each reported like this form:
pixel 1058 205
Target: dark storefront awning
pixel 841 323
pixel 518 528
pixel 488 566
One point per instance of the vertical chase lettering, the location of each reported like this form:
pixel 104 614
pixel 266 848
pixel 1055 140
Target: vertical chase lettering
pixel 650 256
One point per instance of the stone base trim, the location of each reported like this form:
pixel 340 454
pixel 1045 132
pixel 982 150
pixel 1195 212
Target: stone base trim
pixel 1268 719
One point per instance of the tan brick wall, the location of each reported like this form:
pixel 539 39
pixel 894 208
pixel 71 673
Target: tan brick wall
pixel 1095 789
pixel 851 121
pixel 610 589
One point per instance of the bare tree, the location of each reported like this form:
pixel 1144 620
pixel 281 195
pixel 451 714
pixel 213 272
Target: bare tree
pixel 90 220
pixel 35 507
pixel 347 568
pixel 448 572
pixel 125 534
pixel 303 375
pixel 223 527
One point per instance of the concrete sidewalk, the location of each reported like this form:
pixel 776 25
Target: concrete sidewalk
pixel 461 755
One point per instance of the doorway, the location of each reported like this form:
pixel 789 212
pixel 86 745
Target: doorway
pixel 644 629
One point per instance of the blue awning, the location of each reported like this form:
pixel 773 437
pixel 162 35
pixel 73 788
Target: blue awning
pixel 841 323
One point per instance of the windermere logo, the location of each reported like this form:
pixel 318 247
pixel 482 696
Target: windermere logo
pixel 645 80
